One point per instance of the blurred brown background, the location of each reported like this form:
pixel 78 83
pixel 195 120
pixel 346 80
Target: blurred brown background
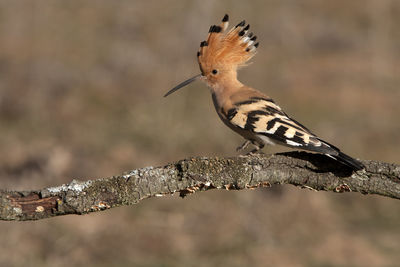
pixel 81 85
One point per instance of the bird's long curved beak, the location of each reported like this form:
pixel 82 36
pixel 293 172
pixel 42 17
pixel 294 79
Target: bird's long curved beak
pixel 183 84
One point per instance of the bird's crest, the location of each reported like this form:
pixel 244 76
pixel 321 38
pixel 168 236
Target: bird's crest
pixel 231 49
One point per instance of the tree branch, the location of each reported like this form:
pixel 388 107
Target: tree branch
pixel 187 176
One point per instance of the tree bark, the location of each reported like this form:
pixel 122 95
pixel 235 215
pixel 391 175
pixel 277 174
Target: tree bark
pixel 187 176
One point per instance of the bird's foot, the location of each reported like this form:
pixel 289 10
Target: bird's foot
pixel 256 150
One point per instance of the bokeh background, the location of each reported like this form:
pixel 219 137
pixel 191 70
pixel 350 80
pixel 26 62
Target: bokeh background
pixel 81 86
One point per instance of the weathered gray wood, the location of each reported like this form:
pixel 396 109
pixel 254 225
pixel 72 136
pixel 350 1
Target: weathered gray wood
pixel 199 174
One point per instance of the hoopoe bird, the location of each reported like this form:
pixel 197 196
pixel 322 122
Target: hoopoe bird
pixel 248 112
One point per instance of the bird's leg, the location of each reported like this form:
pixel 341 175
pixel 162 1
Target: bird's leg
pixel 243 146
pixel 257 149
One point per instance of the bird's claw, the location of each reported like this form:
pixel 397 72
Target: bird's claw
pixel 256 151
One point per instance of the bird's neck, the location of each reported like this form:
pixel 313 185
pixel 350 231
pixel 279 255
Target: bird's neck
pixel 225 87
pixel 223 90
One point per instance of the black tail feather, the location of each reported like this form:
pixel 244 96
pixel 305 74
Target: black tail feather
pixel 348 161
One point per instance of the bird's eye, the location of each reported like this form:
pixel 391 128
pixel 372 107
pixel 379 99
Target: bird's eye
pixel 214 71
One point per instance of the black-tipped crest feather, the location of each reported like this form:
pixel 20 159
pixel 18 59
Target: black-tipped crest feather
pixel 241 24
pixel 215 28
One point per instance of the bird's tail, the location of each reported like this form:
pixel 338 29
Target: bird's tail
pixel 348 161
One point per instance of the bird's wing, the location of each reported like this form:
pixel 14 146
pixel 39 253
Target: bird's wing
pixel 260 116
pixel 263 117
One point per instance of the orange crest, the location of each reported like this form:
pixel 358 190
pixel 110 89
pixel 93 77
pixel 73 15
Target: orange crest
pixel 227 50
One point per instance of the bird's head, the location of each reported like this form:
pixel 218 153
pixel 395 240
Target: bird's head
pixel 223 53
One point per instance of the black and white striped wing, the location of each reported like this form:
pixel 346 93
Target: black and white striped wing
pixel 267 120
pixel 263 118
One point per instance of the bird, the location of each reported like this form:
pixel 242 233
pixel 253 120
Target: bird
pixel 247 111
